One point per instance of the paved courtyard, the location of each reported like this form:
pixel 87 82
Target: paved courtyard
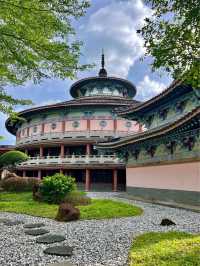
pixel 94 242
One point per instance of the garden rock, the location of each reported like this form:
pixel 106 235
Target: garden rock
pixel 36 232
pixel 167 222
pixel 49 239
pixel 36 225
pixel 67 212
pixel 59 251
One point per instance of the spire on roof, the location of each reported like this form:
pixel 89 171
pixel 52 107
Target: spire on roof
pixel 102 71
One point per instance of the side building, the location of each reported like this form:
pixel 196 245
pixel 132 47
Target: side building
pixel 61 137
pixel 163 161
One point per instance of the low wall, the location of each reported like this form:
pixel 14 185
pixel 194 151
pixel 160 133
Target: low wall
pixel 179 183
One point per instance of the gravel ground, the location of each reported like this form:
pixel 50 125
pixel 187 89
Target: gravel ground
pixel 95 242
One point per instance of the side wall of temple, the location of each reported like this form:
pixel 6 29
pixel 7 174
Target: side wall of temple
pixel 178 183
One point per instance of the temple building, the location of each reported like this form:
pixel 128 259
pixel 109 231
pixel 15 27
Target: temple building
pixel 109 141
pixel 61 137
pixel 163 161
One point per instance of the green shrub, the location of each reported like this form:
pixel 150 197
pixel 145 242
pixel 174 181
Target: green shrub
pixel 54 188
pixel 19 184
pixel 10 158
pixel 77 198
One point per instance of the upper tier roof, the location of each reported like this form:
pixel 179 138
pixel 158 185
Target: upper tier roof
pixel 103 85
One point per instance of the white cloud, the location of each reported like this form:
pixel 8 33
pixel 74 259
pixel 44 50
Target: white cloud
pixel 113 27
pixel 148 88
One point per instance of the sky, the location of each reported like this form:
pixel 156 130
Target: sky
pixel 110 25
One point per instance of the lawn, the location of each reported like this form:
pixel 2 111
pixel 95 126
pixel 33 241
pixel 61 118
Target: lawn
pixel 166 249
pixel 98 209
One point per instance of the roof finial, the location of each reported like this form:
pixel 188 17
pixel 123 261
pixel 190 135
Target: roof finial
pixel 102 59
pixel 102 72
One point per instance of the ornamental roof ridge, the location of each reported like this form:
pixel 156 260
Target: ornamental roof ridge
pixel 156 98
pixel 148 134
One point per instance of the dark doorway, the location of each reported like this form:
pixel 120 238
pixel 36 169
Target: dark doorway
pixel 101 180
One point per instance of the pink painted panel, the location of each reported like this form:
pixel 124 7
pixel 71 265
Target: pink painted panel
pixel 121 126
pixel 81 127
pixel 31 130
pixel 95 125
pixel 48 127
pixel 175 176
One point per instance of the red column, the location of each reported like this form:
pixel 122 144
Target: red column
pixel 39 174
pixel 41 151
pixel 115 125
pixel 63 126
pixel 88 149
pixel 88 124
pixel 114 180
pixel 62 151
pixel 87 180
pixel 42 130
pixel 24 173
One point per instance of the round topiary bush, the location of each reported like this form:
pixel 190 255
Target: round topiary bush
pixel 10 158
pixel 54 188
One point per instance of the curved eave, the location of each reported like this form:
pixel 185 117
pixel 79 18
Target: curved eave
pixel 149 134
pixel 176 88
pixel 82 82
pixel 84 101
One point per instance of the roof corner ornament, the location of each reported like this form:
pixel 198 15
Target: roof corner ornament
pixel 102 72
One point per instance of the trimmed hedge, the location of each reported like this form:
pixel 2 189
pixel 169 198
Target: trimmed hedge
pixel 10 158
pixel 77 198
pixel 19 184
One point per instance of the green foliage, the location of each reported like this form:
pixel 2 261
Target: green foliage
pixel 54 188
pixel 165 249
pixel 18 184
pixel 37 41
pixel 11 158
pixel 76 198
pixel 98 209
pixel 172 37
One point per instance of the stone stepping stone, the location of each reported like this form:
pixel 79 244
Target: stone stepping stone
pixel 36 232
pixel 49 239
pixel 11 223
pixel 59 251
pixel 36 225
pixel 64 263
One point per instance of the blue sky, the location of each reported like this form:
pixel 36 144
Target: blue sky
pixel 108 24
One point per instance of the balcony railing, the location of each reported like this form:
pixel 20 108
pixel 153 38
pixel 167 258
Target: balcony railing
pixel 72 159
pixel 94 134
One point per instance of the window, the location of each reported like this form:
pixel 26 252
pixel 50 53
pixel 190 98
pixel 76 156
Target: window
pixel 128 124
pixel 103 123
pixel 53 126
pixel 75 124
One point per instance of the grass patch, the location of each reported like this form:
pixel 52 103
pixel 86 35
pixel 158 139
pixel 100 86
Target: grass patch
pixel 98 209
pixel 165 249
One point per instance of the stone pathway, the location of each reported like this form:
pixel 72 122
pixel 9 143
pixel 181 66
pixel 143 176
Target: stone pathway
pixel 94 242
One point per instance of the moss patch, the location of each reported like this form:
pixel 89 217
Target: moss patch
pixel 165 249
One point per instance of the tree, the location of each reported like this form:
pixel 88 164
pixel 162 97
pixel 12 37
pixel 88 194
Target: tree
pixel 10 158
pixel 37 41
pixel 172 37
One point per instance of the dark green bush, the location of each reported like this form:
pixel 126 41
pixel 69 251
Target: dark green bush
pixel 54 188
pixel 77 198
pixel 19 184
pixel 10 158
